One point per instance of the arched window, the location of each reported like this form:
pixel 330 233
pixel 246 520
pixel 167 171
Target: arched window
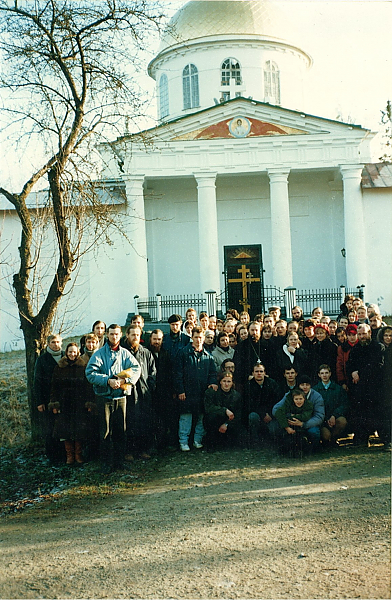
pixel 271 82
pixel 190 86
pixel 230 69
pixel 163 96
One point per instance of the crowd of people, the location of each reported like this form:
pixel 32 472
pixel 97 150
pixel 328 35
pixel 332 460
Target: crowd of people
pixel 298 385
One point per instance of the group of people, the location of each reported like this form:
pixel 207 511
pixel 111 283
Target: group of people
pixel 299 385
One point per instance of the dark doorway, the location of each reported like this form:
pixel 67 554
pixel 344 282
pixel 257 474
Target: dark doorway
pixel 244 278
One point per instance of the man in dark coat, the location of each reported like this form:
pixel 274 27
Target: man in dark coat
pixel 140 417
pixel 247 354
pixel 43 372
pixel 163 398
pixel 175 340
pixel 364 367
pixel 194 372
pixel 262 394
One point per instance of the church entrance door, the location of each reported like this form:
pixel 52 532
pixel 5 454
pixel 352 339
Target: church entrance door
pixel 244 278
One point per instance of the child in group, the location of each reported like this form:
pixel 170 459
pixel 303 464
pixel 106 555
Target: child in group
pixel 296 406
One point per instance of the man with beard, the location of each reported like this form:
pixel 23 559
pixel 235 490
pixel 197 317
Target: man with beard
pixel 249 353
pixel 364 366
pixel 163 401
pixel 140 417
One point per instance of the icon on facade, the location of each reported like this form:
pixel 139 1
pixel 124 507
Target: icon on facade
pixel 239 127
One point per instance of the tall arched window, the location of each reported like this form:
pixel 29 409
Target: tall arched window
pixel 230 69
pixel 190 86
pixel 163 96
pixel 271 82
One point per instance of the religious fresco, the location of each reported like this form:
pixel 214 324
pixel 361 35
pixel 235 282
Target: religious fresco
pixel 239 127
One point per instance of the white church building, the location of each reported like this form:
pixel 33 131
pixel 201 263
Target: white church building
pixel 237 186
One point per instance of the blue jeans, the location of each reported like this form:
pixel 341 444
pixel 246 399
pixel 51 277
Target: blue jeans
pixel 185 426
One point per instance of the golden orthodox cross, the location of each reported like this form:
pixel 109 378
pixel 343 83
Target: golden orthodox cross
pixel 243 271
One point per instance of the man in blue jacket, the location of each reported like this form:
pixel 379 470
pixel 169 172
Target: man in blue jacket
pixel 194 372
pixel 110 391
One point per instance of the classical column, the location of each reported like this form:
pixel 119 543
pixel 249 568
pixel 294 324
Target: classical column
pixel 354 231
pixel 282 269
pixel 208 232
pixel 136 268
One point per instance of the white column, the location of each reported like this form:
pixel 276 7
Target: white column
pixel 354 231
pixel 137 271
pixel 208 232
pixel 282 269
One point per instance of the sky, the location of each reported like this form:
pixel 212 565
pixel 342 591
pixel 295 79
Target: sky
pixel 350 42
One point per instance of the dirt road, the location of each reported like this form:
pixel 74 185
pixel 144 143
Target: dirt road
pixel 245 524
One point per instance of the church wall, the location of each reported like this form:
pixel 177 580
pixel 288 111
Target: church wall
pixel 377 249
pixel 317 235
pixel 172 237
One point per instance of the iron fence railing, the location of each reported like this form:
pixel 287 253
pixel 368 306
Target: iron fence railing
pixel 159 308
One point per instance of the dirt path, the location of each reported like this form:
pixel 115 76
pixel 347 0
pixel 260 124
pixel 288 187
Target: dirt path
pixel 241 525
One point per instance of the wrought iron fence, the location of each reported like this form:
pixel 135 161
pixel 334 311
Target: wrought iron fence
pixel 159 308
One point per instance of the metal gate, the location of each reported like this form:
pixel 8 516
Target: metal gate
pixel 244 278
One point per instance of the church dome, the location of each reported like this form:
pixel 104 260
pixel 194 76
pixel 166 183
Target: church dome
pixel 210 18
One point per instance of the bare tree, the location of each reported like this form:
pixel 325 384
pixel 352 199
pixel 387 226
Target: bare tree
pixel 65 83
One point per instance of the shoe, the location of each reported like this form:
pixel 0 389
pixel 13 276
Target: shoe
pixel 184 448
pixel 197 445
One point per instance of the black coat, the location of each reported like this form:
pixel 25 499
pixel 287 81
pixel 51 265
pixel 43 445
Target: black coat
pixel 368 360
pixel 261 399
pixel 43 371
pixel 193 373
pixel 70 391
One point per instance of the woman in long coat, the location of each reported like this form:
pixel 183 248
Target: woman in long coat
pixel 70 399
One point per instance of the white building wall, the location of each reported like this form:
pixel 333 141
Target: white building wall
pixel 378 247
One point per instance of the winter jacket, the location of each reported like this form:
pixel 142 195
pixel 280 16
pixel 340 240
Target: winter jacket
pixel 146 383
pixel 289 410
pixel 173 344
pixel 261 398
pixel 220 354
pixel 216 403
pixel 286 360
pixel 71 395
pixel 341 362
pixel 43 371
pixel 193 373
pixel 335 399
pixel 318 415
pixel 105 364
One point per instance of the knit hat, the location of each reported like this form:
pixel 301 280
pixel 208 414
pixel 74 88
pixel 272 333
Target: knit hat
pixel 322 326
pixel 174 319
pixel 303 379
pixel 351 329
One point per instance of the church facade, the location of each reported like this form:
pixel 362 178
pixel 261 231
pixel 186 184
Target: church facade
pixel 234 167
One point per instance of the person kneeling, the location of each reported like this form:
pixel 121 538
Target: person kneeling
pixel 222 413
pixel 290 416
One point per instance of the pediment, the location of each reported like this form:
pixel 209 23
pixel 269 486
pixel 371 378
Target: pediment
pixel 239 127
pixel 245 118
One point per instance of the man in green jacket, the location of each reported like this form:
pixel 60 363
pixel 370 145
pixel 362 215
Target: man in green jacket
pixel 336 406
